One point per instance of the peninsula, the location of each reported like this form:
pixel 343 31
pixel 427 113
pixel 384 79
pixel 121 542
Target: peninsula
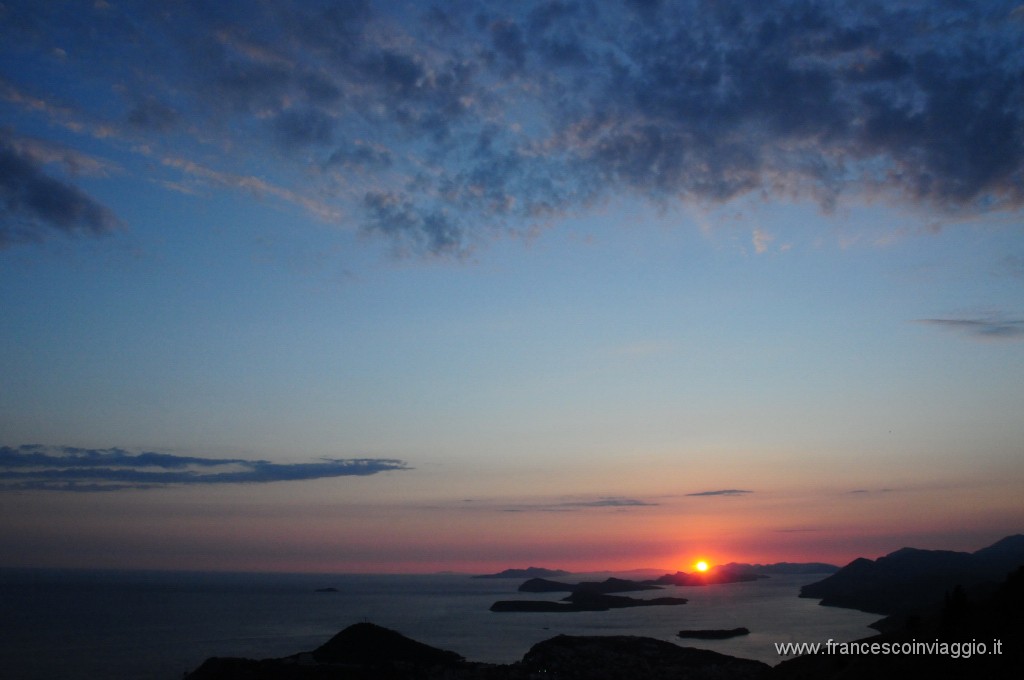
pixel 909 580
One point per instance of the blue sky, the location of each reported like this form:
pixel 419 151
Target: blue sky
pixel 496 276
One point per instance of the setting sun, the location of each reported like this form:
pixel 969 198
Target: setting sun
pixel 702 566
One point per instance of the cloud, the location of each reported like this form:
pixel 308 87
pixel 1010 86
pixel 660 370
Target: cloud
pixel 575 505
pixel 721 492
pixel 75 163
pixel 761 240
pixel 982 328
pixel 255 185
pixel 36 467
pixel 608 503
pixel 34 205
pixel 493 119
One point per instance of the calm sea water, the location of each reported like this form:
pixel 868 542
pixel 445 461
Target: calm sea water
pixel 157 626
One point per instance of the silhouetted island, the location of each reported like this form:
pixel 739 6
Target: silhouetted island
pixel 583 601
pixel 720 573
pixel 609 585
pixel 781 568
pixel 713 633
pixel 529 572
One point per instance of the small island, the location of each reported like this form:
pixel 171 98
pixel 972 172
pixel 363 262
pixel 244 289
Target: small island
pixel 713 633
pixel 609 585
pixel 715 575
pixel 529 572
pixel 584 601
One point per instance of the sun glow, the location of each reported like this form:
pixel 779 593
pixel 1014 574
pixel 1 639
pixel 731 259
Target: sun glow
pixel 701 566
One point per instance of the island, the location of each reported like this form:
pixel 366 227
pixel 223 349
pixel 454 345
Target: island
pixel 529 572
pixel 721 573
pixel 713 633
pixel 783 568
pixel 610 585
pixel 584 601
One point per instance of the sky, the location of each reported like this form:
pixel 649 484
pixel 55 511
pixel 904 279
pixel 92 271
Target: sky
pixel 400 287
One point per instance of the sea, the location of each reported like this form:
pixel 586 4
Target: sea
pixel 94 625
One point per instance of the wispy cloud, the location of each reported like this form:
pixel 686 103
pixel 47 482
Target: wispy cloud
pixel 761 240
pixel 571 505
pixel 36 467
pixel 257 186
pixel 982 328
pixel 721 492
pixel 74 163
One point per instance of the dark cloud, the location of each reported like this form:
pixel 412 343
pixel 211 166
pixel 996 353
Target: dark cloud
pixel 982 328
pixel 500 117
pixel 35 467
pixel 721 492
pixel 33 204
